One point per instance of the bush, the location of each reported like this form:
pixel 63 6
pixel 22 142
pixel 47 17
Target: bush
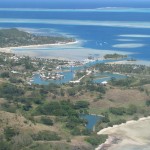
pixel 96 140
pixel 8 91
pixel 81 104
pixel 47 121
pixel 148 103
pixel 71 92
pixel 132 109
pixel 105 119
pixel 9 133
pixel 117 111
pixel 21 140
pixel 86 132
pixel 46 136
pixel 5 75
pixel 116 122
pixel 76 131
pixel 135 118
pixel 4 145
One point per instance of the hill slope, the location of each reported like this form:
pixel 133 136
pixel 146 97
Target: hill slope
pixel 14 37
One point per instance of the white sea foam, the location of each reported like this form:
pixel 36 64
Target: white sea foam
pixel 124 24
pixel 126 40
pixel 135 35
pixel 129 45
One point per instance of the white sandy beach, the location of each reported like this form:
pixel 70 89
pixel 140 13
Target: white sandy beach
pixel 133 135
pixel 67 51
pixel 10 49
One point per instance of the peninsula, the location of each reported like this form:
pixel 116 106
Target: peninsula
pixel 14 38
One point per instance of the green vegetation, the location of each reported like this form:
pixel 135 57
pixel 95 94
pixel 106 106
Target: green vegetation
pixel 148 103
pixel 115 56
pixel 96 140
pixel 47 121
pixel 46 136
pixel 48 116
pixel 14 38
pixel 123 68
pixel 9 133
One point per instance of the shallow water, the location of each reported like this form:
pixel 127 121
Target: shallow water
pixel 92 120
pixel 100 29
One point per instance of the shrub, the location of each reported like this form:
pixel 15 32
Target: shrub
pixel 46 136
pixel 76 131
pixel 148 103
pixel 21 140
pixel 47 121
pixel 96 139
pixel 117 111
pixel 4 145
pixel 9 133
pixel 71 92
pixel 81 104
pixel 8 91
pixel 116 122
pixel 86 132
pixel 5 75
pixel 132 109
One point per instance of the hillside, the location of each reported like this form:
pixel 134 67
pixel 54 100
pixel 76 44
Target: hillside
pixel 48 117
pixel 14 38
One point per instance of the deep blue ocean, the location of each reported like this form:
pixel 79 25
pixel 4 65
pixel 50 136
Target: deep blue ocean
pixel 101 24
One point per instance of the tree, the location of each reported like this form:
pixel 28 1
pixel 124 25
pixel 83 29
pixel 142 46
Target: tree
pixel 96 139
pixel 81 105
pixel 47 121
pixel 132 109
pixel 71 92
pixel 4 145
pixel 117 111
pixel 5 75
pixel 9 132
pixel 148 103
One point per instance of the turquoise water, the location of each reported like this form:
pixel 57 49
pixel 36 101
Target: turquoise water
pixel 108 77
pixel 68 76
pixel 92 120
pixel 119 25
pixel 100 25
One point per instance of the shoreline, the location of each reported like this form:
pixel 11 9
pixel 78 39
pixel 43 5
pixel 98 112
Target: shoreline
pixel 137 62
pixel 11 49
pixel 68 55
pixel 121 137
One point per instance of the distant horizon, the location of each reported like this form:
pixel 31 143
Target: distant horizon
pixel 60 4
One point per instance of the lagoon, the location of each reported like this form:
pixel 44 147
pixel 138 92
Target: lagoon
pixel 92 120
pixel 101 77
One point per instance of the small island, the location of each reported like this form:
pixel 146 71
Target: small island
pixel 115 56
pixel 15 38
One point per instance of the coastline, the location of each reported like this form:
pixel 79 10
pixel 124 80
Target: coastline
pixel 126 133
pixel 66 52
pixel 10 49
pixel 63 51
pixel 137 62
